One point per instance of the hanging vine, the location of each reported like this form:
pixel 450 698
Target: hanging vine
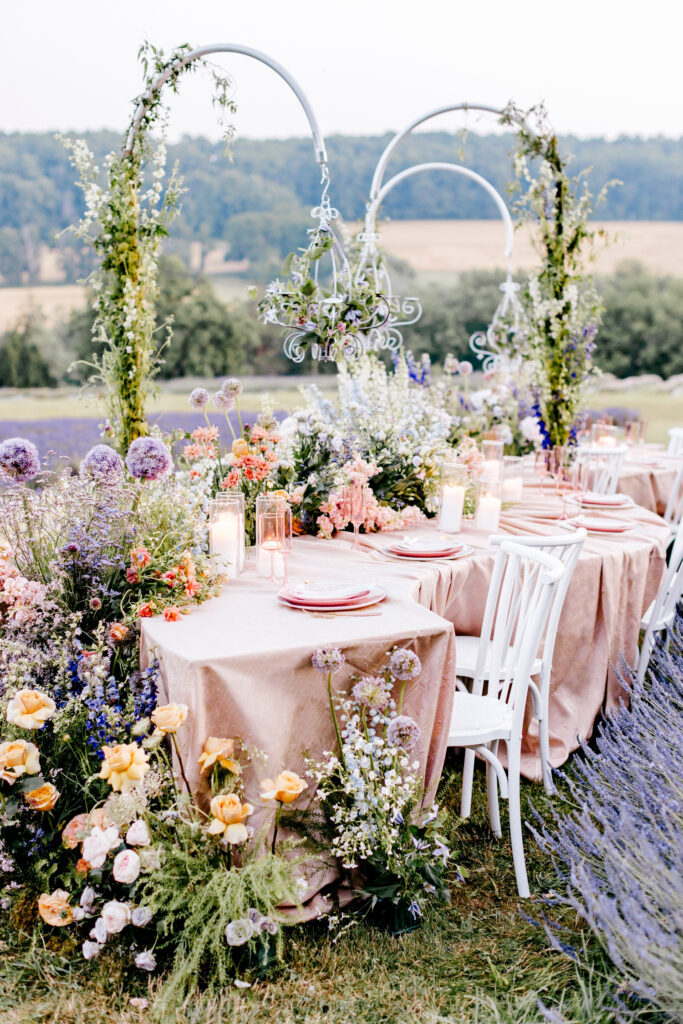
pixel 128 213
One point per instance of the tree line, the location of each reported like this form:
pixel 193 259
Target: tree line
pixel 259 201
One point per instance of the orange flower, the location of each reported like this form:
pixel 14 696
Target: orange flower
pixel 141 557
pixel 54 908
pixel 118 632
pixel 172 614
pixel 74 831
pixel 192 588
pixel 285 788
pixel 240 447
pixel 82 866
pixel 43 798
pixel 146 611
pixel 218 750
pixel 169 577
pixel 17 757
pixel 124 766
pixel 228 817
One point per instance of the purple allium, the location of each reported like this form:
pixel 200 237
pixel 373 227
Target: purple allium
pixel 148 458
pixel 103 465
pixel 403 732
pixel 371 691
pixel 327 659
pixel 405 664
pixel 232 386
pixel 222 400
pixel 465 368
pixel 19 459
pixel 240 931
pixel 199 398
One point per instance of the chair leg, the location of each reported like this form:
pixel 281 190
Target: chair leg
pixel 516 822
pixel 544 743
pixel 467 778
pixel 492 795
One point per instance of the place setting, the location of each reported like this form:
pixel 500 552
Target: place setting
pixel 333 598
pixel 427 549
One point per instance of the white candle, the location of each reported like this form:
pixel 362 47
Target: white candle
pixel 452 504
pixel 512 488
pixel 488 512
pixel 607 441
pixel 271 559
pixel 490 471
pixel 225 543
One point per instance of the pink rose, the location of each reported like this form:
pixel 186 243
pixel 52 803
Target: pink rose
pixel 138 834
pixel 126 867
pixel 115 916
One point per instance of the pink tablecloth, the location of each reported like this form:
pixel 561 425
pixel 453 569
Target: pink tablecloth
pixel 648 477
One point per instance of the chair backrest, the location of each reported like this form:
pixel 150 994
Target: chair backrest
pixel 521 593
pixel 663 610
pixel 674 506
pixel 675 441
pixel 603 465
pixel 567 547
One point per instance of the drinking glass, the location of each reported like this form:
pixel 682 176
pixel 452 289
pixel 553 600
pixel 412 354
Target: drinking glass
pixel 542 466
pixel 355 506
pixel 285 539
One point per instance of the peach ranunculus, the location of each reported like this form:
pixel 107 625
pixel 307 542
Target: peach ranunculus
pixel 217 750
pixel 98 818
pixel 124 766
pixel 240 447
pixel 285 788
pixel 169 717
pixel 17 758
pixel 141 557
pixel 54 908
pixel 172 613
pixel 229 814
pixel 118 632
pixel 30 709
pixel 43 798
pixel 74 831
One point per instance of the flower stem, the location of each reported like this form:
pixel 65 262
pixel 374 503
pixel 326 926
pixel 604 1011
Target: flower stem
pixel 180 762
pixel 275 827
pixel 334 718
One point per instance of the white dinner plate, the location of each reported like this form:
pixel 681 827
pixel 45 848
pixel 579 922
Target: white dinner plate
pixel 327 593
pixel 375 595
pixel 466 549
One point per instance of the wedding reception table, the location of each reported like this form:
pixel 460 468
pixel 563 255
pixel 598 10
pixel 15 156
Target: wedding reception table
pixel 242 661
pixel 647 475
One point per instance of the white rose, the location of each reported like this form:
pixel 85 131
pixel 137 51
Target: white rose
pixel 126 867
pixel 99 932
pixel 87 900
pixel 141 917
pixel 115 916
pixel 138 834
pixel 146 961
pixel 97 845
pixel 90 949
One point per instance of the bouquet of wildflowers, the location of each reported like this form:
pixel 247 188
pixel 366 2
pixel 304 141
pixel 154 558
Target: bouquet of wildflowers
pixel 371 791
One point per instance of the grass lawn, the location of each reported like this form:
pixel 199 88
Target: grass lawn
pixel 478 960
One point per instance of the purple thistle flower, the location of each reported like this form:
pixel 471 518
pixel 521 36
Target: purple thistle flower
pixel 403 732
pixel 371 691
pixel 405 664
pixel 232 386
pixel 327 659
pixel 103 465
pixel 199 398
pixel 148 458
pixel 19 459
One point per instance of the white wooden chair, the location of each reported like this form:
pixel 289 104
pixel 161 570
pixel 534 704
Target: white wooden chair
pixel 675 446
pixel 567 547
pixel 674 506
pixel 519 603
pixel 603 465
pixel 659 617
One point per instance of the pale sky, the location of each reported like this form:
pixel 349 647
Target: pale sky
pixel 368 66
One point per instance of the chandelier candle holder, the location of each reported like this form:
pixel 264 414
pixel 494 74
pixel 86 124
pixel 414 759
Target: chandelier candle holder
pixel 492 467
pixel 489 504
pixel 452 496
pixel 273 537
pixel 226 532
pixel 513 478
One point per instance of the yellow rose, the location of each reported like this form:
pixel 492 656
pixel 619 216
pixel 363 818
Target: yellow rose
pixel 43 798
pixel 124 766
pixel 240 447
pixel 285 788
pixel 169 717
pixel 54 908
pixel 228 817
pixel 30 709
pixel 218 750
pixel 17 757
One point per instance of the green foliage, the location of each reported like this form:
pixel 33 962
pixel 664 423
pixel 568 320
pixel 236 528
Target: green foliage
pixel 22 362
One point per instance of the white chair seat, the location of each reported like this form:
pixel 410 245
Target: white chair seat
pixel 478 720
pixel 665 622
pixel 467 652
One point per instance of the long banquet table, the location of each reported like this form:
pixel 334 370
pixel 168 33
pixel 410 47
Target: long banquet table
pixel 241 662
pixel 647 475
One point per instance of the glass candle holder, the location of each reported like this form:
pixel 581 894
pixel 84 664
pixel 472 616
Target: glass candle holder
pixel 226 532
pixel 513 478
pixel 452 496
pixel 604 435
pixel 492 468
pixel 270 530
pixel 489 503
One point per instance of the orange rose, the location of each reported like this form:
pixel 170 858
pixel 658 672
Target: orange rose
pixel 82 866
pixel 240 447
pixel 54 908
pixel 118 632
pixel 124 766
pixel 228 817
pixel 169 717
pixel 74 831
pixel 30 709
pixel 43 798
pixel 285 788
pixel 218 750
pixel 17 757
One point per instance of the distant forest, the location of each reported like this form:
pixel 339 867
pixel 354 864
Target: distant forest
pixel 259 202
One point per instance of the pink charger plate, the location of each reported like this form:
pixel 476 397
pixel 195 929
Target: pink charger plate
pixel 602 525
pixel 322 602
pixel 437 553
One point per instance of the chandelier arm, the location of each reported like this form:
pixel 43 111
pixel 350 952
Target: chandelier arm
pixel 247 51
